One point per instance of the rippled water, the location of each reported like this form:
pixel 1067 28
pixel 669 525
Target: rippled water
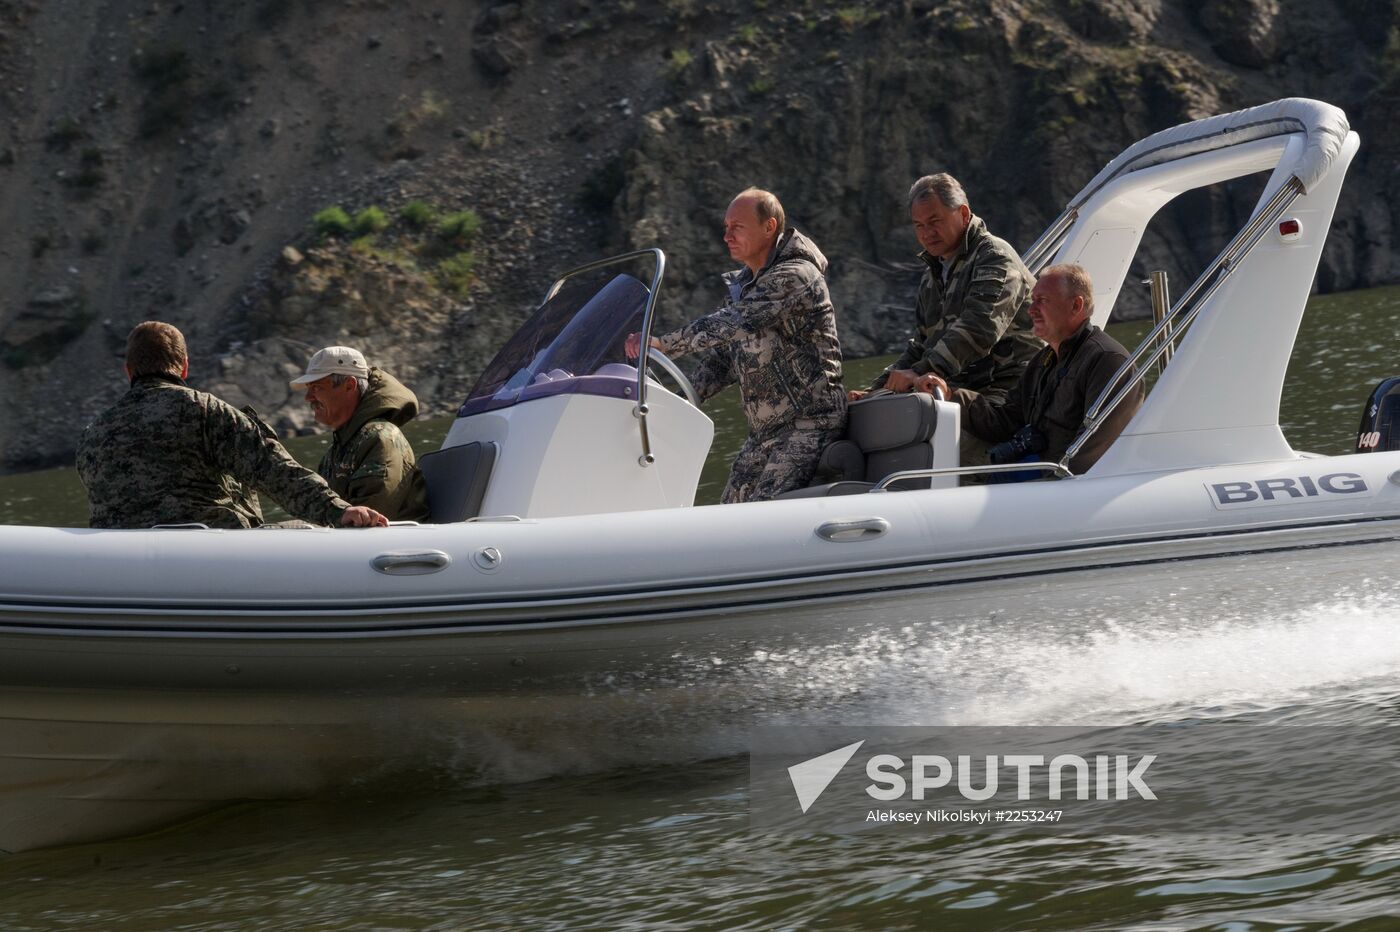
pixel 666 843
pixel 646 826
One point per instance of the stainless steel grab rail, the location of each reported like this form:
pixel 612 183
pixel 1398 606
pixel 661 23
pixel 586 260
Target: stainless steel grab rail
pixel 1051 240
pixel 1058 469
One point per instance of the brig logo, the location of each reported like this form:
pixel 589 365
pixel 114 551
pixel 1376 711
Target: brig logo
pixel 1285 490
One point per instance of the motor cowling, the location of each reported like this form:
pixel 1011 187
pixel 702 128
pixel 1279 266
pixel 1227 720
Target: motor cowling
pixel 1380 419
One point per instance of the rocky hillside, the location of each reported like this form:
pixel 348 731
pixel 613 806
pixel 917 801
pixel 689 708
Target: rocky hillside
pixel 158 159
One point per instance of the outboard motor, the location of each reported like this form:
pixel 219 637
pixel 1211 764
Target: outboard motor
pixel 1380 419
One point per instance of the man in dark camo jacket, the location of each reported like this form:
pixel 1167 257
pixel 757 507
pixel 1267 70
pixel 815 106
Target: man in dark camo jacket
pixel 775 335
pixel 167 454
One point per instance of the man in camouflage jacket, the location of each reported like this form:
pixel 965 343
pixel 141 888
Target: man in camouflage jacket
pixel 776 336
pixel 971 322
pixel 369 461
pixel 167 454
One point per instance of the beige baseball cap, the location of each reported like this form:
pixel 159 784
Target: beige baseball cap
pixel 333 360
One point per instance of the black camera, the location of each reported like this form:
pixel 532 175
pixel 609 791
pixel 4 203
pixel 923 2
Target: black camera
pixel 1022 444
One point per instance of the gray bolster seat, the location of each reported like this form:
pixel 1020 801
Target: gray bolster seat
pixel 885 433
pixel 457 478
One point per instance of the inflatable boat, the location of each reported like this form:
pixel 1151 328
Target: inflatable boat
pixel 565 565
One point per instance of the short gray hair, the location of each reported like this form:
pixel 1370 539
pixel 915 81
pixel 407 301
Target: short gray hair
pixel 1075 281
pixel 362 383
pixel 766 205
pixel 942 186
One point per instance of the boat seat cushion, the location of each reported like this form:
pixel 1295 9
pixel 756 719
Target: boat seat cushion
pixel 886 422
pixel 885 433
pixel 840 461
pixel 457 478
pixel 830 488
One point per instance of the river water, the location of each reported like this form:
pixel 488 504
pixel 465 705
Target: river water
pixel 649 829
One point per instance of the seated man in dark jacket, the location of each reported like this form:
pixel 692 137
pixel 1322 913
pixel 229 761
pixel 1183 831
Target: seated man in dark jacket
pixel 1044 415
pixel 369 461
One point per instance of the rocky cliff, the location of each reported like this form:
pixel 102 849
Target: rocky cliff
pixel 158 158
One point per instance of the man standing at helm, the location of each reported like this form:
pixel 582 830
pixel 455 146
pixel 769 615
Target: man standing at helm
pixel 776 336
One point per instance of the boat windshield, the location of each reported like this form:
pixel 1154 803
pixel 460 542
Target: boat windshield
pixel 572 344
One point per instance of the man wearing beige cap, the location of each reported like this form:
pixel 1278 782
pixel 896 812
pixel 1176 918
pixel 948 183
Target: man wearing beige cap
pixel 369 461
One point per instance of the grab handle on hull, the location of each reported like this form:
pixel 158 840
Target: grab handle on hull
pixel 839 532
pixel 403 563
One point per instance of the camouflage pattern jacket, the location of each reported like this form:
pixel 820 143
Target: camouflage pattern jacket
pixel 167 454
pixel 775 335
pixel 370 462
pixel 1052 396
pixel 975 332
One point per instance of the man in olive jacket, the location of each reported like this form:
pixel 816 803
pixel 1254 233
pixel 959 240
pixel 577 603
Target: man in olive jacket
pixel 1045 414
pixel 971 321
pixel 369 461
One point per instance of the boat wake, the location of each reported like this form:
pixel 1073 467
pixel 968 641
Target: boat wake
pixel 1306 666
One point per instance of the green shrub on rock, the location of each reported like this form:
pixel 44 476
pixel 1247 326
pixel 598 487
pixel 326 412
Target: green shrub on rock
pixel 460 228
pixel 370 220
pixel 457 273
pixel 333 221
pixel 418 215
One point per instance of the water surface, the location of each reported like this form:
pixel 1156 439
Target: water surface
pixel 647 827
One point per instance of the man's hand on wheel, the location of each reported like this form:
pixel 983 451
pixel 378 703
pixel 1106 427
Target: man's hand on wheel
pixel 633 346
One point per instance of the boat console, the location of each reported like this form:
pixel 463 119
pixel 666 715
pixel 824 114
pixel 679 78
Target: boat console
pixel 565 423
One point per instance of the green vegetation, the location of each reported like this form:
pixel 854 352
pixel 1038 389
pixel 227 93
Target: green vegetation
pixel 760 86
pixel 748 33
pixel 677 62
pixel 459 228
pixel 457 273
pixel 418 215
pixel 419 240
pixel 369 221
pixel 333 221
pixel 428 108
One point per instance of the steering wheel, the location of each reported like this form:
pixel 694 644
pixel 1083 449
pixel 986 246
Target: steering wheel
pixel 666 365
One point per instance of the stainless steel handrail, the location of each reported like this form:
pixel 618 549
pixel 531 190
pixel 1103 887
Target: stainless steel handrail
pixel 1054 235
pixel 1196 298
pixel 640 409
pixel 1161 308
pixel 1058 469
